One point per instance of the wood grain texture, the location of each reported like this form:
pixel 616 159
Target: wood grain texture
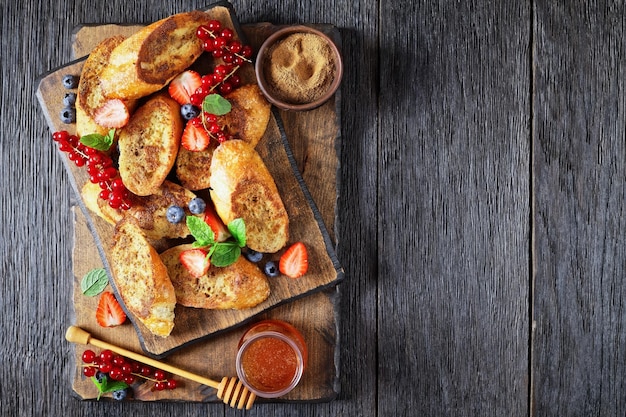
pixel 306 224
pixel 579 157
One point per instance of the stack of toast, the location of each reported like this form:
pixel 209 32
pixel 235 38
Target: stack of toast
pixel 131 75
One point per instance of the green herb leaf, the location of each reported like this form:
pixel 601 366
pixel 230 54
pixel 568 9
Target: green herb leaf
pixel 216 104
pixel 225 253
pixel 94 282
pixel 98 141
pixel 201 231
pixel 237 229
pixel 108 385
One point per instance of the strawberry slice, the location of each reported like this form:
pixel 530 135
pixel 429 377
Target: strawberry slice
pixel 184 85
pixel 195 138
pixel 109 312
pixel 215 223
pixel 295 261
pixel 195 261
pixel 112 114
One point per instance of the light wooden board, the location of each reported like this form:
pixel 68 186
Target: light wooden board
pixel 315 315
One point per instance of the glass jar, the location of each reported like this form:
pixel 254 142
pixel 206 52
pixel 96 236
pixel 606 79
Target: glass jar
pixel 271 358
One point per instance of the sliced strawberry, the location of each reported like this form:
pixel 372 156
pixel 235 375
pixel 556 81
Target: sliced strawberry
pixel 195 137
pixel 112 114
pixel 195 261
pixel 184 85
pixel 217 225
pixel 295 261
pixel 109 312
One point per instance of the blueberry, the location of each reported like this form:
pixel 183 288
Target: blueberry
pixel 197 206
pixel 69 100
pixel 68 115
pixel 175 214
pixel 189 111
pixel 70 81
pixel 120 394
pixel 270 269
pixel 100 376
pixel 253 256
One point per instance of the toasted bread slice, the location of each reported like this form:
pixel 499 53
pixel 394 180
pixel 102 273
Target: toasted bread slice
pixel 90 96
pixel 149 59
pixel 90 194
pixel 242 187
pixel 192 168
pixel 238 286
pixel 148 145
pixel 150 211
pixel 142 279
pixel 249 115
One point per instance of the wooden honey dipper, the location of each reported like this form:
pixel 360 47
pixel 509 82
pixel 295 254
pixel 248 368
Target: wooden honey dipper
pixel 230 390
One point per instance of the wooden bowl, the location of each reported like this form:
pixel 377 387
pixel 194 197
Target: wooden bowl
pixel 270 89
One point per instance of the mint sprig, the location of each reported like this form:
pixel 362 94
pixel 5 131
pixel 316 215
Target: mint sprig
pixel 94 282
pixel 216 104
pixel 107 385
pixel 220 253
pixel 98 141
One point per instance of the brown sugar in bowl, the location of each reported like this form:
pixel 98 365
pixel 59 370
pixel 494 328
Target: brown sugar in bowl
pixel 298 68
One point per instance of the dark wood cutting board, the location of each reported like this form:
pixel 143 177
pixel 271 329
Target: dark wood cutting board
pixel 314 138
pixel 306 223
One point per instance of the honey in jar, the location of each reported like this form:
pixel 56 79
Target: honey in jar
pixel 271 359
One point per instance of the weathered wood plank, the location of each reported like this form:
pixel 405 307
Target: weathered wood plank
pixel 579 159
pixel 453 205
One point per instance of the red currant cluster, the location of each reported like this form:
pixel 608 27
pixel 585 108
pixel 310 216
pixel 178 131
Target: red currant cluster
pixel 119 368
pixel 99 167
pixel 221 43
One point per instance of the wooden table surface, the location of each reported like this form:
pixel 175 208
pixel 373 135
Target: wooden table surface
pixel 480 208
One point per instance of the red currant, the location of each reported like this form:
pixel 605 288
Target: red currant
pixel 171 384
pixel 89 371
pixel 159 375
pixel 88 356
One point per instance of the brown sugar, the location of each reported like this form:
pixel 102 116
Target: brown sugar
pixel 300 68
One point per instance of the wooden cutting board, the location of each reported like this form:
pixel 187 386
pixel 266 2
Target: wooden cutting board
pixel 313 137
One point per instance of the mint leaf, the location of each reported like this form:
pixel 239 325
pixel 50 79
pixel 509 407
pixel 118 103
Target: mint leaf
pixel 98 141
pixel 216 104
pixel 237 229
pixel 225 253
pixel 201 231
pixel 94 282
pixel 108 385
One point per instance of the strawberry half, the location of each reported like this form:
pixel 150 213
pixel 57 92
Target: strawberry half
pixel 112 114
pixel 195 138
pixel 295 261
pixel 109 312
pixel 215 223
pixel 195 261
pixel 184 85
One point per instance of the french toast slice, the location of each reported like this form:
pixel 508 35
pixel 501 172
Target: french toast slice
pixel 247 120
pixel 237 286
pixel 141 279
pixel 249 114
pixel 149 59
pixel 150 212
pixel 149 143
pixel 242 187
pixel 90 95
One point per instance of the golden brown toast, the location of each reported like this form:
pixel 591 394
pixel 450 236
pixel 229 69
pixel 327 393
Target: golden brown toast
pixel 142 279
pixel 146 61
pixel 238 286
pixel 242 187
pixel 150 211
pixel 192 168
pixel 247 120
pixel 90 96
pixel 249 114
pixel 90 194
pixel 148 144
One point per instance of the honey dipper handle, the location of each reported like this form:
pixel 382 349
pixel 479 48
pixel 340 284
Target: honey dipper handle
pixel 75 334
